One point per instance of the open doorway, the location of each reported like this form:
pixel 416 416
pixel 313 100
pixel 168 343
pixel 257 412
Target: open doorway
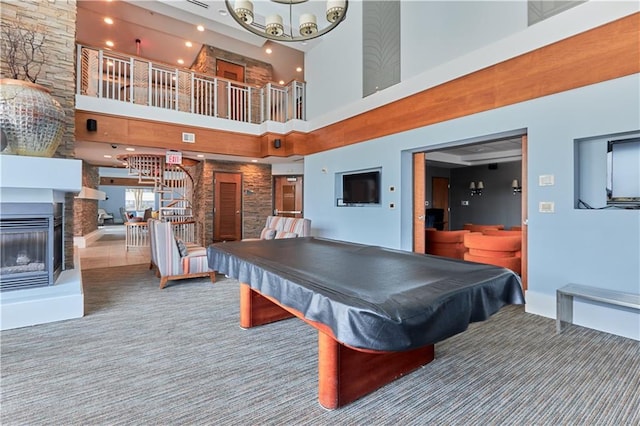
pixel 482 182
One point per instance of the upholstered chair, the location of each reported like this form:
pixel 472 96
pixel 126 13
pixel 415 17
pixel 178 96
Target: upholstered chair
pixel 445 243
pixel 502 232
pixel 174 259
pixel 152 246
pixel 277 227
pixel 479 228
pixel 496 250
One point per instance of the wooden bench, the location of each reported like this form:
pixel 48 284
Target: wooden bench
pixel 565 295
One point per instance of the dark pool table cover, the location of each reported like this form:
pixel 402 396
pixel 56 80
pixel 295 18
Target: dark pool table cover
pixel 371 297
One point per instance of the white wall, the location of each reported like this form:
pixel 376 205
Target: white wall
pixel 595 247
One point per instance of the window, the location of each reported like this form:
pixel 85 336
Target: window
pixel 139 198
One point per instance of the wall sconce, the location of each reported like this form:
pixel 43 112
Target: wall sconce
pixel 476 189
pixel 515 185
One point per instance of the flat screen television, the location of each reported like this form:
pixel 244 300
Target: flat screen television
pixel 361 188
pixel 623 172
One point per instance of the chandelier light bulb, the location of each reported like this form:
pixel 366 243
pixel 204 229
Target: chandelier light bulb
pixel 244 10
pixel 273 25
pixel 335 8
pixel 308 24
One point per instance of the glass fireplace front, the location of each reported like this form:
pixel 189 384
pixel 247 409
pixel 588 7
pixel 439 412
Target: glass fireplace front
pixel 30 245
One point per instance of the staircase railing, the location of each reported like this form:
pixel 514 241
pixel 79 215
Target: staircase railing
pixel 111 75
pixel 174 184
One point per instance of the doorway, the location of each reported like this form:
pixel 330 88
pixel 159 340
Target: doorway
pixel 227 211
pixel 440 200
pixel 288 196
pixel 420 192
pixel 235 103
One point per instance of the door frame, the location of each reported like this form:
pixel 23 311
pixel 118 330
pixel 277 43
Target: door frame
pixel 299 197
pixel 218 178
pixel 419 180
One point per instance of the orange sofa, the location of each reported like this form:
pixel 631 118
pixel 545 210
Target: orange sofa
pixel 499 250
pixel 445 243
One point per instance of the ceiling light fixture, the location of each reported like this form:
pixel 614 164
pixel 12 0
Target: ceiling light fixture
pixel 272 25
pixel 108 21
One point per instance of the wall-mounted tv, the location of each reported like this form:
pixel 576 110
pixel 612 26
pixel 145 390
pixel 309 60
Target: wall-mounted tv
pixel 361 188
pixel 623 172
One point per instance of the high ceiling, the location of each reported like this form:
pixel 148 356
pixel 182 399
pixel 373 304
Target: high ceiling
pixel 163 27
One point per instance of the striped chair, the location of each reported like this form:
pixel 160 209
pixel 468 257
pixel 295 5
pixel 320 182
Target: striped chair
pixel 153 263
pixel 174 260
pixel 290 225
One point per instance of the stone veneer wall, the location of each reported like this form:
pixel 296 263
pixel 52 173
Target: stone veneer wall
pixel 256 72
pixel 85 212
pixel 57 20
pixel 257 197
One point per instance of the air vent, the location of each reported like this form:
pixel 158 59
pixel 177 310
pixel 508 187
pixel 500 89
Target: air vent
pixel 188 137
pixel 198 3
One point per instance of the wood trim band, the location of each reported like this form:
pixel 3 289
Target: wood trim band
pixel 604 53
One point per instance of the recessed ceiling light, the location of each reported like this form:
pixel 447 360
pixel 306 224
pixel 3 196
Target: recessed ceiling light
pixel 200 27
pixel 130 149
pixel 188 44
pixel 281 82
pixel 108 20
pixel 106 156
pixel 109 43
pixel 299 69
pixel 180 61
pixel 268 50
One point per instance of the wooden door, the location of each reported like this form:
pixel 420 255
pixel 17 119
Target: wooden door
pixel 440 197
pixel 227 213
pixel 288 196
pixel 234 104
pixel 419 197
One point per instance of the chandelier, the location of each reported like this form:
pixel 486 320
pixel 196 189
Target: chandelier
pixel 274 27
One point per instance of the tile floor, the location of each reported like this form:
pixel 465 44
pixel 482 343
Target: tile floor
pixel 109 250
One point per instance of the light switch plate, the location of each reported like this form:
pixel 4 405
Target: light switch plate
pixel 546 180
pixel 546 207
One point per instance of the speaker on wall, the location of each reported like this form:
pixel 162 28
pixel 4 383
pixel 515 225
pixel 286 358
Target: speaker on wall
pixel 92 125
pixel 277 143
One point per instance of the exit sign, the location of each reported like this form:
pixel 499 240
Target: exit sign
pixel 174 157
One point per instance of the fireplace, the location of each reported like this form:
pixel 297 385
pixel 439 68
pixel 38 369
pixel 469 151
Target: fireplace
pixel 31 245
pixel 36 286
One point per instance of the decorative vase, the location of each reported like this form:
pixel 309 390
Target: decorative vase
pixel 31 120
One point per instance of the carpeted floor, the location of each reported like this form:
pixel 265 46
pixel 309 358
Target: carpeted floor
pixel 144 356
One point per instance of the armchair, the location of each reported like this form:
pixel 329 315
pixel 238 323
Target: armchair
pixel 445 243
pixel 496 250
pixel 277 227
pixel 173 259
pixel 104 216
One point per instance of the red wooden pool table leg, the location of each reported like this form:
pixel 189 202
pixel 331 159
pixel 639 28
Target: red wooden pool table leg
pixel 344 373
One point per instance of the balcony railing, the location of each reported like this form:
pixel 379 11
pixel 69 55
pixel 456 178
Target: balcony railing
pixel 110 75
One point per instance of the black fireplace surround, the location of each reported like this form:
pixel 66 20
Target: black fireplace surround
pixel 31 244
